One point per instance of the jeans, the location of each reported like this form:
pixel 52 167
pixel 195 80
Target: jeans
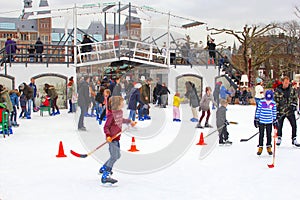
pixel 132 115
pixel 29 107
pixel 115 154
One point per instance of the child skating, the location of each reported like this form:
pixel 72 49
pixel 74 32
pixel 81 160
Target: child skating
pixel 176 104
pixel 112 127
pixel 265 117
pixel 222 123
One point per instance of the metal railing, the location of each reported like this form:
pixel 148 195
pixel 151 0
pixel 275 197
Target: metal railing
pixel 60 54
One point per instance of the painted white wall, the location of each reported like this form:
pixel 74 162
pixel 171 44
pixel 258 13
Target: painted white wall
pixel 208 74
pixel 23 73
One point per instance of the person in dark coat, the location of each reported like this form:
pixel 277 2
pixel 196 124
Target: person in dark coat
pixel 83 101
pixel 28 91
pixel 87 47
pixel 216 92
pixel 191 94
pixel 156 96
pixel 39 48
pixel 133 100
pixel 115 87
pixel 145 97
pixel 164 95
pixel 33 86
pixel 51 92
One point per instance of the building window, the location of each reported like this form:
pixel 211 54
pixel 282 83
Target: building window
pixel 23 36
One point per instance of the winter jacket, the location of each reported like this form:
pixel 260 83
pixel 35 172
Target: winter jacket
pixel 4 98
pixel 284 99
pixel 216 92
pixel 39 46
pixel 51 92
pixel 87 47
pixel 23 100
pixel 204 103
pixel 164 90
pixel 14 98
pixel 134 98
pixel 266 113
pixel 177 100
pixel 259 92
pixel 113 124
pixel 10 46
pixel 27 91
pixel 33 86
pixel 191 94
pixel 71 89
pixel 83 94
pixel 224 92
pixel 145 93
pixel 221 117
pixel 116 90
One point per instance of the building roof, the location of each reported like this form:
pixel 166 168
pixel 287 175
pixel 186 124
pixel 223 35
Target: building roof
pixel 12 24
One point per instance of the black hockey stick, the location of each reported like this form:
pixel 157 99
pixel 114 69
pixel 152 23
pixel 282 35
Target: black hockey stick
pixel 219 129
pixel 245 140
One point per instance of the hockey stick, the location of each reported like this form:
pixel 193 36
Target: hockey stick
pixel 98 147
pixel 274 148
pixel 245 140
pixel 219 129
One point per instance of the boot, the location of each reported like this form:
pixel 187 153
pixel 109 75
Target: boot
pixel 199 125
pixel 227 142
pixel 269 150
pixel 207 125
pixel 103 169
pixel 295 143
pixel 107 179
pixel 278 141
pixel 259 151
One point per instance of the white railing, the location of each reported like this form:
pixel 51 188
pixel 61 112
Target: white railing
pixel 107 51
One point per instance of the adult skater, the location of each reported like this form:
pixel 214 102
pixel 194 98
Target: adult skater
pixel 286 99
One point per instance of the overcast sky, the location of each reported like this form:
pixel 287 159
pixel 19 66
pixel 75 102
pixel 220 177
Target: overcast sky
pixel 232 14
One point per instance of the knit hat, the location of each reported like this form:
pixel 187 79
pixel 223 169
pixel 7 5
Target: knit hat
pixel 138 85
pixel 258 80
pixel 269 95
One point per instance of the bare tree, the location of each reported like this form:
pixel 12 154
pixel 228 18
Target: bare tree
pixel 255 49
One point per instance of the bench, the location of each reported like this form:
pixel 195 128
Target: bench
pixel 45 109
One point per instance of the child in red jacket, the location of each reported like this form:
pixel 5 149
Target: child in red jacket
pixel 112 130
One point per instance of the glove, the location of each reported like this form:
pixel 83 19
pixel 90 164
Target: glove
pixel 275 124
pixel 18 107
pixel 109 139
pixel 256 122
pixel 226 123
pixel 132 123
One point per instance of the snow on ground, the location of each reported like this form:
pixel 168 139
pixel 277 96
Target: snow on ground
pixel 29 169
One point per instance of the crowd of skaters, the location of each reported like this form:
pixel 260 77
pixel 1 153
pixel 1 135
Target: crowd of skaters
pixel 24 99
pixel 94 95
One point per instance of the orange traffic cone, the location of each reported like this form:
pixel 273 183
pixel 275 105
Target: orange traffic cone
pixel 133 147
pixel 201 141
pixel 61 153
